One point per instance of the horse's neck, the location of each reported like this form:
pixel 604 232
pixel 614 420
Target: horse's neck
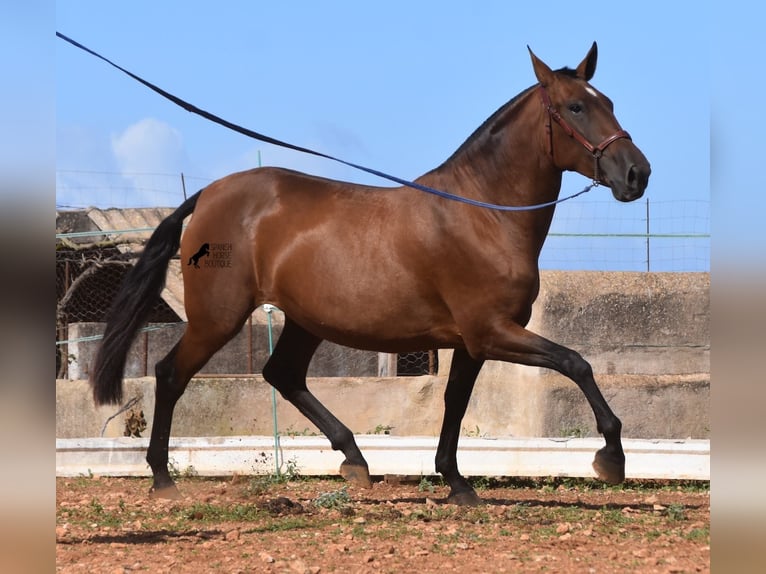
pixel 505 163
pixel 509 167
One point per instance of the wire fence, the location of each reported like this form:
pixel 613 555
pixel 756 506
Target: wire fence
pixel 645 235
pixel 586 234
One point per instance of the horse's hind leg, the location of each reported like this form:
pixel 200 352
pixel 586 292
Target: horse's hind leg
pixel 286 371
pixel 173 373
pixel 462 376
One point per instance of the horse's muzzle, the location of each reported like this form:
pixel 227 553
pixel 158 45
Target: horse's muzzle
pixel 634 184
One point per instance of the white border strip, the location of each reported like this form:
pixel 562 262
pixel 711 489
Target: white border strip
pixel 222 456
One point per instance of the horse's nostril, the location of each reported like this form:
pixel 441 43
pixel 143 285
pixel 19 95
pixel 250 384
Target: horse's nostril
pixel 637 177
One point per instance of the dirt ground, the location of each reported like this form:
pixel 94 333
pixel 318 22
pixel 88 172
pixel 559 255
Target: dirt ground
pixel 258 524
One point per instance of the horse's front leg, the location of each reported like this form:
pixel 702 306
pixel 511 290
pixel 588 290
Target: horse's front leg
pixel 508 341
pixel 462 376
pixel 286 371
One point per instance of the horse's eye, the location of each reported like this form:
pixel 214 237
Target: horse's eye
pixel 575 108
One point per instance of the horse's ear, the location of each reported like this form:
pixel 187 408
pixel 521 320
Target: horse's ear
pixel 542 71
pixel 587 67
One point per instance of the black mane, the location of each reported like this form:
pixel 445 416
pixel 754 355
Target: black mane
pixel 491 121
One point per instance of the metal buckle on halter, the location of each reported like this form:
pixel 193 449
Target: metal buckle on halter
pixel 596 171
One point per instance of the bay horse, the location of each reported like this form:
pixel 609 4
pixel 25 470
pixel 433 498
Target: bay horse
pixel 386 269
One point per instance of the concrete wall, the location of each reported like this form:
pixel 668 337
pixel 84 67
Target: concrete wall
pixel 244 354
pixel 647 336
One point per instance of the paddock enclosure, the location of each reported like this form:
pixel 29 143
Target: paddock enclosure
pixel 647 336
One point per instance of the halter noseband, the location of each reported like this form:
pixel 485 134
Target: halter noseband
pixel 595 150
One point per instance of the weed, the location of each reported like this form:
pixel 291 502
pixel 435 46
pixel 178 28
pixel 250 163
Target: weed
pixel 426 485
pixel 676 512
pixel 698 534
pixel 82 480
pixel 653 534
pixel 96 506
pixel 176 472
pixel 282 525
pixel 292 471
pixel 381 429
pixel 291 432
pixel 475 432
pixel 100 515
pixel 260 482
pixel 481 483
pixel 613 516
pixel 574 432
pixel 333 499
pixel 212 513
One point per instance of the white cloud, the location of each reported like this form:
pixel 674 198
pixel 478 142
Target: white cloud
pixel 150 156
pixel 149 146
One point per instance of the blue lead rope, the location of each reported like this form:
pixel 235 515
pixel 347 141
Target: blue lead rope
pixel 266 139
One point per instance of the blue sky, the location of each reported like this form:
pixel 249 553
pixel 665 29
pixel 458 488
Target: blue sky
pixel 396 86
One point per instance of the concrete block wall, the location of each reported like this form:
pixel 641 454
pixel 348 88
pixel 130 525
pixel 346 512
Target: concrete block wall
pixel 647 336
pixel 245 353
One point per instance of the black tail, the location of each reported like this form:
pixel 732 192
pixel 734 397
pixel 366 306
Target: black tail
pixel 131 306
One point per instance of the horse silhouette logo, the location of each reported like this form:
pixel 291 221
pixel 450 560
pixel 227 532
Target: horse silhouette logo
pixel 204 250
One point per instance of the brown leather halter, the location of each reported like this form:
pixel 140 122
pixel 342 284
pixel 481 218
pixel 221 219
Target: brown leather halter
pixel 596 150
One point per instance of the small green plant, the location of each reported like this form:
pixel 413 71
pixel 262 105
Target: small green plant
pixel 481 483
pixel 574 432
pixel 176 472
pixel 96 506
pixel 82 476
pixel 257 485
pixel 676 512
pixel 334 499
pixel 260 483
pixel 698 534
pixel 205 512
pixel 291 472
pixel 381 429
pixel 614 516
pixel 426 485
pixel 292 432
pixel 475 432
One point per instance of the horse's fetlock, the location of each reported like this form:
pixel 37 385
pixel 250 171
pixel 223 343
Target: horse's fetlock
pixel 341 439
pixel 611 427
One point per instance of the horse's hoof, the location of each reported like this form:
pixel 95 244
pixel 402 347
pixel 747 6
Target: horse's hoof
pixel 356 474
pixel 167 492
pixel 609 469
pixel 465 498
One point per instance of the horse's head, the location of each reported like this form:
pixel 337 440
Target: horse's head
pixel 583 134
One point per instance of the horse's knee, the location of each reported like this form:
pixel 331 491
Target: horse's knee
pixel 283 377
